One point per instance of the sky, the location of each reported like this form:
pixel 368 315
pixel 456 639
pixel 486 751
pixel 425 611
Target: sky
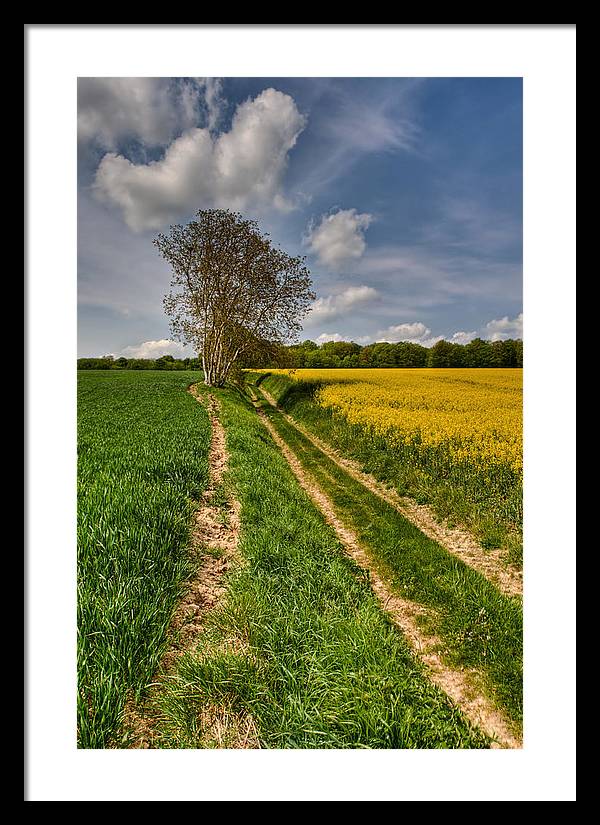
pixel 404 194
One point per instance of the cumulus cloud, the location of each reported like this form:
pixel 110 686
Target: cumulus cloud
pixel 500 330
pixel 339 237
pixel 406 332
pixel 154 349
pixel 416 333
pixel 463 337
pixel 240 167
pixel 332 306
pixel 150 109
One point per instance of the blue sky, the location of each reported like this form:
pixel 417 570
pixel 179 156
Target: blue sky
pixel 405 195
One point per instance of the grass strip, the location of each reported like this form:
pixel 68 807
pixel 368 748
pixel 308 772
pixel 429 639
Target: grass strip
pixel 480 627
pixel 300 644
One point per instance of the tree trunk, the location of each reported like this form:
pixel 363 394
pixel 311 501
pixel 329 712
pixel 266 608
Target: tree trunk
pixel 215 373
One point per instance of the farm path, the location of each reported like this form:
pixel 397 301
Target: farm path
pixel 489 563
pixel 214 536
pixel 214 539
pixel 458 685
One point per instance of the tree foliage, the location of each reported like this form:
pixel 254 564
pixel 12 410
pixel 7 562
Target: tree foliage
pixel 232 292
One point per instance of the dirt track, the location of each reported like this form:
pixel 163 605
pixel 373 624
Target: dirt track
pixel 459 685
pixel 215 536
pixel 489 563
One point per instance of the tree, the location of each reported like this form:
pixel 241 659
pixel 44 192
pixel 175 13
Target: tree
pixel 231 289
pixel 382 354
pixel 308 344
pixel 507 353
pixel 446 354
pixel 408 354
pixel 479 353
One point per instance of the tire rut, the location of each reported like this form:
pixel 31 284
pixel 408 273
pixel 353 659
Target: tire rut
pixel 461 544
pixel 458 685
pixel 215 535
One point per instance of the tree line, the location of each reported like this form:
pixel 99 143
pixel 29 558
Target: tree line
pixel 477 353
pixel 344 354
pixel 165 362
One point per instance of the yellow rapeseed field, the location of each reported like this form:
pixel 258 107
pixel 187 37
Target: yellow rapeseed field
pixel 467 417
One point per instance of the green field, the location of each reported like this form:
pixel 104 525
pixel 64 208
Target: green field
pixel 142 461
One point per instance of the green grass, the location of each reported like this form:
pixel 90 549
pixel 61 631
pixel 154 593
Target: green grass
pixel 491 508
pixel 142 461
pixel 300 642
pixel 481 628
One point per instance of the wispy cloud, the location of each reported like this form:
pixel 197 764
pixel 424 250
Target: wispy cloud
pixel 472 226
pixel 214 101
pixel 420 277
pixel 370 124
pixel 352 125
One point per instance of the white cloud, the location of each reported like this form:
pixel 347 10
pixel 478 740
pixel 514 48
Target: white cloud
pixel 500 330
pixel 357 121
pixel 372 126
pixel 416 333
pixel 154 349
pixel 406 332
pixel 339 237
pixel 326 337
pixel 151 109
pixel 240 167
pixel 463 337
pixel 332 306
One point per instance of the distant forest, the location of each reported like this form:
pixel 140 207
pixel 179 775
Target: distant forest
pixel 477 353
